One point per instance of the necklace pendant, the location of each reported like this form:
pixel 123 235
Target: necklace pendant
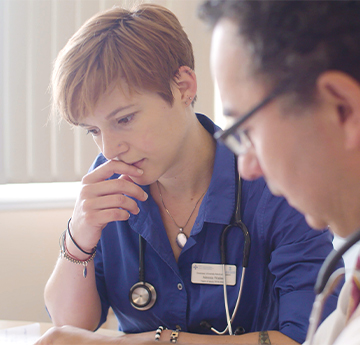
pixel 181 238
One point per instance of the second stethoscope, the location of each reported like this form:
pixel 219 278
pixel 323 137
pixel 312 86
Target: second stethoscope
pixel 142 295
pixel 326 283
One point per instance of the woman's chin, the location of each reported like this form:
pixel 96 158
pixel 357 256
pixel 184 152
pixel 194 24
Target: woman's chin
pixel 316 223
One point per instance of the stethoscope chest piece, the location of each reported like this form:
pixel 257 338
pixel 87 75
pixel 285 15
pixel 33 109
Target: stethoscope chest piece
pixel 142 296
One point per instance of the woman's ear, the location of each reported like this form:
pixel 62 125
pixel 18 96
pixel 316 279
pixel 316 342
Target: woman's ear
pixel 186 83
pixel 342 92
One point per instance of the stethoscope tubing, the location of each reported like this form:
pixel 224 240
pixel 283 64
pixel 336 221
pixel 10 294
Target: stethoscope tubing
pixel 228 321
pixel 332 259
pixel 319 302
pixel 246 253
pixel 326 282
pixel 229 327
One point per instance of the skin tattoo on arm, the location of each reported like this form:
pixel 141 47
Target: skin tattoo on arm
pixel 264 338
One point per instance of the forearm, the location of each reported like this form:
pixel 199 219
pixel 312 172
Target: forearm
pixel 269 337
pixel 275 337
pixel 70 335
pixel 72 299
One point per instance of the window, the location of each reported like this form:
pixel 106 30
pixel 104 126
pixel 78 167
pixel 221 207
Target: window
pixel 32 148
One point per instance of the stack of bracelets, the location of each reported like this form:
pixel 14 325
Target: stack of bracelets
pixel 173 336
pixel 64 253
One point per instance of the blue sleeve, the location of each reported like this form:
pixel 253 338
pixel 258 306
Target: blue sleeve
pixel 297 253
pixel 100 284
pixel 100 159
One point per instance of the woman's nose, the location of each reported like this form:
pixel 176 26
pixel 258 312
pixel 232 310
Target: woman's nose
pixel 248 166
pixel 112 146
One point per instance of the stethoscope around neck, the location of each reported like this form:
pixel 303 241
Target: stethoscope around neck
pixel 246 253
pixel 142 295
pixel 326 282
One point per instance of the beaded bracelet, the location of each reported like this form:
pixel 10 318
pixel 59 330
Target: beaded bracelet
pixel 158 333
pixel 64 253
pixel 173 336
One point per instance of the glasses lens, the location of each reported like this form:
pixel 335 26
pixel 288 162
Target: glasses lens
pixel 238 142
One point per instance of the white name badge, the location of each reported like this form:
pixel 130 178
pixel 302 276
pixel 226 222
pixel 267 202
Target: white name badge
pixel 212 274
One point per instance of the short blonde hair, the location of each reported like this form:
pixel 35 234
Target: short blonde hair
pixel 144 47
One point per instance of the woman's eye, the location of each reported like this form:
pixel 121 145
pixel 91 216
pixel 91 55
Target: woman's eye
pixel 93 132
pixel 126 119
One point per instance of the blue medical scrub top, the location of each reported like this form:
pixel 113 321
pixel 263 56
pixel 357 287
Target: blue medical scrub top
pixel 285 258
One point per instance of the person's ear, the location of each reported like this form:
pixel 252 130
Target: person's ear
pixel 186 83
pixel 343 92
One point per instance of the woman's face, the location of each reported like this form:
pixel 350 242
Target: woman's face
pixel 140 129
pixel 294 151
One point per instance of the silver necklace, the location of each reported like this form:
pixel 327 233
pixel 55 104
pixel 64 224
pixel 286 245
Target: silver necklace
pixel 181 237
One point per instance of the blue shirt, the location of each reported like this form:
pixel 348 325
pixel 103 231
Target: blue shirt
pixel 285 257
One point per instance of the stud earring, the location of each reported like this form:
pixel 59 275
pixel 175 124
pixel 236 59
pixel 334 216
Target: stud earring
pixel 186 102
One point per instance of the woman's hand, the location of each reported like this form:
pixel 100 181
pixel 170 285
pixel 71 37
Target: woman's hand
pixel 68 335
pixel 102 201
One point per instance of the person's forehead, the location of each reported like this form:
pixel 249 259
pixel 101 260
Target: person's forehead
pixel 226 47
pixel 232 68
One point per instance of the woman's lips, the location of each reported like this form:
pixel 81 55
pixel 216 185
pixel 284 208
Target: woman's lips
pixel 138 164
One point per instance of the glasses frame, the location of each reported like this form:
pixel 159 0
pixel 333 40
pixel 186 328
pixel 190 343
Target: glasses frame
pixel 226 136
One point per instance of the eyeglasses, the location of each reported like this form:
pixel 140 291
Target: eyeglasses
pixel 235 138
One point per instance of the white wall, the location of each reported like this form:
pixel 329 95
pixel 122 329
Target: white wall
pixel 28 251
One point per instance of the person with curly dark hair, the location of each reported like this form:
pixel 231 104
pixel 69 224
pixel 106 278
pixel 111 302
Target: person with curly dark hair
pixel 289 79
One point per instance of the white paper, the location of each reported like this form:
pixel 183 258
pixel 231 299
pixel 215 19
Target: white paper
pixel 23 335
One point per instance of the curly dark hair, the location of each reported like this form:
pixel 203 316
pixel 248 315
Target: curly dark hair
pixel 294 42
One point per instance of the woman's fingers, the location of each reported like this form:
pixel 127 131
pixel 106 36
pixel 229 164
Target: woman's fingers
pixel 114 186
pixel 110 168
pixel 112 201
pixel 102 200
